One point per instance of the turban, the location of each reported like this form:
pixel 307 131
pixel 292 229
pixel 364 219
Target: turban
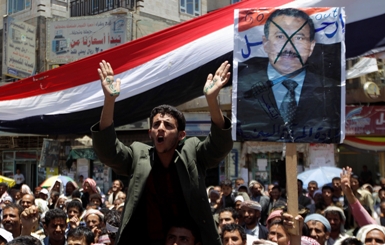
pixel 319 218
pixel 239 198
pixel 361 235
pixel 251 204
pixel 274 214
pixel 94 211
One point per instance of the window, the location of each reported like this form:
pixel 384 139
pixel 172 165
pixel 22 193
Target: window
pixel 15 6
pixel 192 7
pixel 235 1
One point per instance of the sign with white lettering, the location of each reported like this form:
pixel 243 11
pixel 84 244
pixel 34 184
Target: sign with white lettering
pixel 365 121
pixel 72 39
pixel 288 75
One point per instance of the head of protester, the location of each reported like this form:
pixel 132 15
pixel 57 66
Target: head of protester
pixel 371 235
pixel 182 234
pixel 27 201
pixel 233 234
pixel 113 221
pixel 55 223
pixel 94 219
pixel 25 240
pixel 70 187
pixel 80 236
pixel 227 216
pixel 319 227
pixel 11 220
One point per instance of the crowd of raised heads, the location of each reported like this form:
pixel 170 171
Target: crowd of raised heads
pixel 61 214
pixel 349 210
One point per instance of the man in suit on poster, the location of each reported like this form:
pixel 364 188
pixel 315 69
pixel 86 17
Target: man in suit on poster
pixel 288 103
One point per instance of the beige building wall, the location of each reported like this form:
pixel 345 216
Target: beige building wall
pixel 3 11
pixel 156 15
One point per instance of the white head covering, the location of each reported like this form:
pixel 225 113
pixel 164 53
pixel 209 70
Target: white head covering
pixel 25 189
pixel 340 211
pixel 6 235
pixel 60 197
pixel 61 190
pixel 361 235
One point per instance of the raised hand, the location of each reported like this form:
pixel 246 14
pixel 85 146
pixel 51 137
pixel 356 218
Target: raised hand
pixel 345 178
pixel 29 219
pixel 74 222
pixel 215 83
pixel 111 88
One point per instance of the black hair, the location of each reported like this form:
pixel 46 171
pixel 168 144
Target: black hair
pixel 231 210
pixel 3 184
pixel 179 223
pixel 280 205
pixel 14 206
pixel 312 182
pixel 121 182
pixel 226 182
pixel 351 241
pixel 75 204
pixel 113 217
pixel 327 187
pixel 277 187
pixel 55 193
pixel 76 193
pixel 336 178
pixel 234 227
pixel 96 196
pixel 25 240
pixel 80 232
pixel 55 213
pixel 290 12
pixel 300 181
pixel 172 111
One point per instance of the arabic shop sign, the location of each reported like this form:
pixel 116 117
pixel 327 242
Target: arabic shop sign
pixel 72 39
pixel 365 120
pixel 20 45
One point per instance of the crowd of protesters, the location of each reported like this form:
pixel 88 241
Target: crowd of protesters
pixel 342 212
pixel 345 211
pixel 61 214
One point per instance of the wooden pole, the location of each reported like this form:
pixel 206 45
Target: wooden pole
pixel 292 187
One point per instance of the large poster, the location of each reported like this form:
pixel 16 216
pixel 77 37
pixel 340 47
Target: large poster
pixel 20 48
pixel 72 39
pixel 50 151
pixel 289 74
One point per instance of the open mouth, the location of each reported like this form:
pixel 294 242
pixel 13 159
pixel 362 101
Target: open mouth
pixel 160 139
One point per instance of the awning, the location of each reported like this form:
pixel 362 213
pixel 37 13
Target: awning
pixel 362 67
pixel 366 143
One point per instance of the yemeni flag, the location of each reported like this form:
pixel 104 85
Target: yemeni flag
pixel 167 67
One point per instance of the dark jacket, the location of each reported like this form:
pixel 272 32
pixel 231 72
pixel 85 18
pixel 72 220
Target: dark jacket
pixel 192 159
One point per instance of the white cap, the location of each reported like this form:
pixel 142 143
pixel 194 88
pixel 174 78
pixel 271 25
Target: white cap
pixel 44 191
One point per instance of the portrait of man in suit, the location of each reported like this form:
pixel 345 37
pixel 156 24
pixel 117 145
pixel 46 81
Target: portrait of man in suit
pixel 284 98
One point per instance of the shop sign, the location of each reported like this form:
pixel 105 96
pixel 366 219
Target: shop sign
pixel 365 120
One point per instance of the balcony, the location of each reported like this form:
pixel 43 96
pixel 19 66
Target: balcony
pixel 95 7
